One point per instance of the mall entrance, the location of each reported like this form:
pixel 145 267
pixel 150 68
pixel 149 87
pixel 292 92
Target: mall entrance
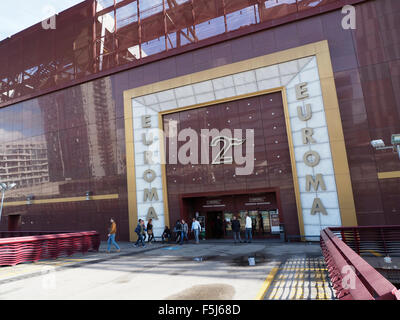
pixel 215 212
pixel 214 227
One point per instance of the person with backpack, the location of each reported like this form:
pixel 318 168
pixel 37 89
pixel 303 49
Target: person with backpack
pixel 140 231
pixel 178 231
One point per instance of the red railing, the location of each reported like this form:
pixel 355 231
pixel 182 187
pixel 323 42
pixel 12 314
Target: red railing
pixel 351 276
pixel 14 234
pixel 371 240
pixel 50 246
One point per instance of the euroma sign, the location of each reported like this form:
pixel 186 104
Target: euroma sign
pixel 316 180
pixel 319 164
pixel 311 158
pixel 225 147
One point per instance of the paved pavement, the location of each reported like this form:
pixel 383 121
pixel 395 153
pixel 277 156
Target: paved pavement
pixel 301 279
pixel 210 270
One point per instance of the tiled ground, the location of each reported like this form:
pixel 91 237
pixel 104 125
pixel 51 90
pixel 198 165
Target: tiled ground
pixel 301 279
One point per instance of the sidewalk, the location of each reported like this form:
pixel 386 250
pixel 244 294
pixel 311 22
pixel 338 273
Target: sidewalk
pixel 32 269
pixel 209 270
pixel 205 250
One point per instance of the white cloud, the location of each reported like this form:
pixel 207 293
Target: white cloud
pixel 7 136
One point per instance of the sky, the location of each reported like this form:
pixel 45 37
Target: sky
pixel 17 15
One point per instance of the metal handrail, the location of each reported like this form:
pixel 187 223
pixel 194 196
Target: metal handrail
pixel 371 240
pixel 49 246
pixel 351 276
pixel 13 234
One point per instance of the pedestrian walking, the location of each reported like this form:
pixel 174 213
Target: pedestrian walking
pixel 140 231
pixel 196 228
pixel 143 230
pixel 150 233
pixel 177 231
pixel 111 237
pixel 249 228
pixel 185 231
pixel 236 230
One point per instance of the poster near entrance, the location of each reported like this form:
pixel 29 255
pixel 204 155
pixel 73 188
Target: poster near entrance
pixel 274 217
pixel 264 224
pixel 253 215
pixel 228 216
pixel 243 214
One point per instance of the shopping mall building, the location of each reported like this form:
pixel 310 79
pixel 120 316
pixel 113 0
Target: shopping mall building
pixel 265 107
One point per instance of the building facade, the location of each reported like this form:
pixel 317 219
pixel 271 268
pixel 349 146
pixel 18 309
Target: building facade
pixel 138 103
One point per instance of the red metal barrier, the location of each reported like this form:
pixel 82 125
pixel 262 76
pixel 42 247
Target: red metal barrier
pixel 367 240
pixel 51 246
pixel 14 234
pixel 365 283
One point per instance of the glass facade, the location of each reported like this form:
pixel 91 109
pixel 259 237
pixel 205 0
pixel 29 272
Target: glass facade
pixel 99 35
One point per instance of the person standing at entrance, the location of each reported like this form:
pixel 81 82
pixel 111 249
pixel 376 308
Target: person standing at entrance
pixel 111 237
pixel 261 224
pixel 196 229
pixel 219 228
pixel 236 230
pixel 185 231
pixel 249 228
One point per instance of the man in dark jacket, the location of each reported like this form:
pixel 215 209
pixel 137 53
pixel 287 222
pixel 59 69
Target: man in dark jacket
pixel 140 231
pixel 177 231
pixel 184 232
pixel 236 229
pixel 166 236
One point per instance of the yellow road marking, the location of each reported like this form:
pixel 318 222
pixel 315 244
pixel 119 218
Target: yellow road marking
pixel 376 254
pixel 267 284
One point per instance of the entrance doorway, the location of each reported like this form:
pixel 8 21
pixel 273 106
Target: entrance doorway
pixel 214 225
pixel 216 211
pixel 14 222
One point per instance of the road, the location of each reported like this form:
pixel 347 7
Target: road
pixel 218 270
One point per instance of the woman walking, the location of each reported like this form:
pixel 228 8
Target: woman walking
pixel 111 237
pixel 150 233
